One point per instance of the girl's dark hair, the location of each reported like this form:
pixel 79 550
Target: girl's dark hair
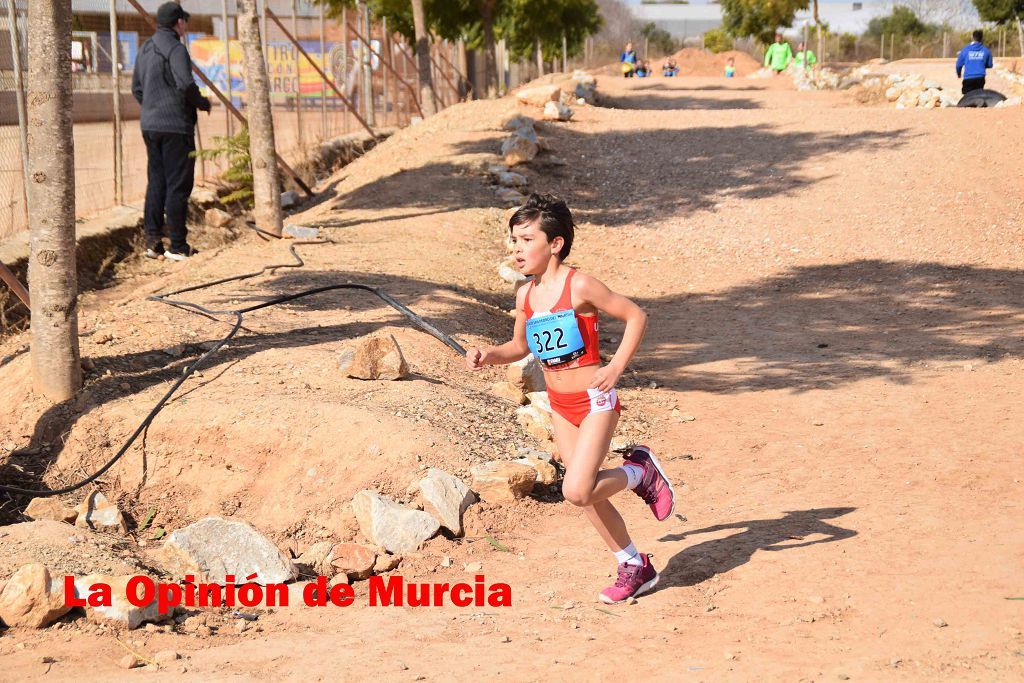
pixel 555 219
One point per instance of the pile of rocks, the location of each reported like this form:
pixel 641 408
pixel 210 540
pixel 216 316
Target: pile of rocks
pixel 911 91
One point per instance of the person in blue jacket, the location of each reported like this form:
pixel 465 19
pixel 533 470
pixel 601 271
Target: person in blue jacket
pixel 973 59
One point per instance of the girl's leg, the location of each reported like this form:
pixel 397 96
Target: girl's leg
pixel 581 475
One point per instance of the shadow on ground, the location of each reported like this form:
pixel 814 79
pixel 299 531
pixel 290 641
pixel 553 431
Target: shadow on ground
pixel 696 168
pixel 702 561
pixel 816 327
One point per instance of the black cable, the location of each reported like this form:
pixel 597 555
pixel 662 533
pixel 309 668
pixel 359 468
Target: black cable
pixel 188 371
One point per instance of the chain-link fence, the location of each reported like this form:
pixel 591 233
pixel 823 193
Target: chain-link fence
pixel 327 74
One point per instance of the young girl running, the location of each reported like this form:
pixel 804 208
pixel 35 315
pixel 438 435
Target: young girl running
pixel 557 320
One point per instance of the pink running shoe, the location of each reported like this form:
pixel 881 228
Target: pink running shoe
pixel 654 487
pixel 634 579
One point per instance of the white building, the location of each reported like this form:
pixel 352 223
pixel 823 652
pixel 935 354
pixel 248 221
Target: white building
pixel 693 19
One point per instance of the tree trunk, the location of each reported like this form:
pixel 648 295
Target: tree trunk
pixel 540 59
pixel 423 59
pixel 492 76
pixel 266 189
pixel 1020 36
pixel 56 368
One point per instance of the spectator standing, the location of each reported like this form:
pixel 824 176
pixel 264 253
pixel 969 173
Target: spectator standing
pixel 170 98
pixel 628 61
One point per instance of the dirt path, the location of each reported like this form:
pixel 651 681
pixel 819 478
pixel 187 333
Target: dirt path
pixel 834 294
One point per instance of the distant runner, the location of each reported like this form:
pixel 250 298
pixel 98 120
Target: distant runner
pixel 804 55
pixel 778 55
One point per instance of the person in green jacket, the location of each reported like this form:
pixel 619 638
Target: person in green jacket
pixel 778 55
pixel 811 60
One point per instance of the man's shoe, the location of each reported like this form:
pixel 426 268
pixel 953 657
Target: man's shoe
pixel 654 487
pixel 154 254
pixel 180 256
pixel 633 580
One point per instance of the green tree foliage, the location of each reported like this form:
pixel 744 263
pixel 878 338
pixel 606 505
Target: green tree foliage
pixel 658 40
pixel 526 21
pixel 1000 11
pixel 759 18
pixel 903 22
pixel 717 40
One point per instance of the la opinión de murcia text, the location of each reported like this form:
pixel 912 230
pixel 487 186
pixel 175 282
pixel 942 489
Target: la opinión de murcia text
pixel 392 591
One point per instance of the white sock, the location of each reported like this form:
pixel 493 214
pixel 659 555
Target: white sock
pixel 634 473
pixel 629 555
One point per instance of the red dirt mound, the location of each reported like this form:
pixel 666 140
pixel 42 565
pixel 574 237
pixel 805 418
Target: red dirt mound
pixel 696 62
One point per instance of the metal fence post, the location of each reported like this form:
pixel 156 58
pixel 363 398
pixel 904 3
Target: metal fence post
pixel 228 124
pixel 298 78
pixel 344 60
pixel 323 85
pixel 115 72
pixel 19 90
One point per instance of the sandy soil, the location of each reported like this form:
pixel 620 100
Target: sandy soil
pixel 834 295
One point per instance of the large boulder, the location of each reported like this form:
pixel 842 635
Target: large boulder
pixel 376 357
pixel 539 95
pixel 99 514
pixel 501 481
pixel 31 598
pixel 445 497
pixel 120 612
pixel 214 547
pixel 395 528
pixel 51 508
pixel 536 422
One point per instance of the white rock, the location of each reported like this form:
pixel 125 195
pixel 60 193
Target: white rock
pixel 31 598
pixel 515 121
pixel 51 508
pixel 98 513
pixel 501 481
pixel 393 527
pixel 556 111
pixel 527 374
pixel 445 497
pixel 289 199
pixel 511 275
pixel 511 179
pixel 214 547
pixel 536 422
pixel 546 472
pixel 510 196
pixel 539 95
pixel 518 150
pixel 120 611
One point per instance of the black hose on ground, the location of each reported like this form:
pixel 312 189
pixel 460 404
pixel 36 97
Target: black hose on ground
pixel 238 314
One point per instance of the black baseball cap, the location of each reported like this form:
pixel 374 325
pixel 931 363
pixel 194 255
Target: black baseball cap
pixel 169 13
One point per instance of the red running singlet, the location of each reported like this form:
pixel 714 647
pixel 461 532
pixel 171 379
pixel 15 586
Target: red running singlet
pixel 587 326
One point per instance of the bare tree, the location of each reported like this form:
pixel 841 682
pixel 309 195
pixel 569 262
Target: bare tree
pixel 56 368
pixel 423 58
pixel 262 150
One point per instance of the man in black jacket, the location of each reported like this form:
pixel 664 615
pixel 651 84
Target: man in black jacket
pixel 163 85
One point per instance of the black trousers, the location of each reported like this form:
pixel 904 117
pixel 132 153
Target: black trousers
pixel 972 84
pixel 171 173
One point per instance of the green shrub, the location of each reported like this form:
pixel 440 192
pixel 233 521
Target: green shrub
pixel 238 176
pixel 717 40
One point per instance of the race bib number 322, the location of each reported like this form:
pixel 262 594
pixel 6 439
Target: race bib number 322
pixel 554 338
